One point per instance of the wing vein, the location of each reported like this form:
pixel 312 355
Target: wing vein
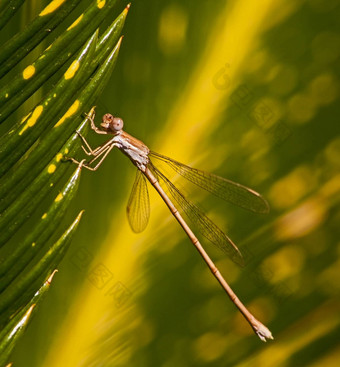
pixel 138 207
pixel 227 190
pixel 205 226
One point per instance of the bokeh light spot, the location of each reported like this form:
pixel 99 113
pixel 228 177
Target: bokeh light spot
pixel 210 346
pixel 324 89
pixel 284 79
pixel 328 280
pixel 172 31
pixel 332 152
pixel 257 61
pixel 301 108
pixel 301 221
pixel 290 189
pixel 287 262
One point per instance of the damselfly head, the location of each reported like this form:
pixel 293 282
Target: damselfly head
pixel 111 123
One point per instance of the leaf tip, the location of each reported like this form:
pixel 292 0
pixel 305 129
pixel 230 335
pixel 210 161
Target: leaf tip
pixel 119 42
pixel 49 280
pixel 80 215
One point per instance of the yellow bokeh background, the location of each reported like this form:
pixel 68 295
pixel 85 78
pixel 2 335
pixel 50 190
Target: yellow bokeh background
pixel 248 90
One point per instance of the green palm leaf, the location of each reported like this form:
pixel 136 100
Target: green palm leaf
pixel 8 9
pixel 32 151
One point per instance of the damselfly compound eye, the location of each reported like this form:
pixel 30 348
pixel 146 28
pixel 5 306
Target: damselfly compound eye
pixel 112 123
pixel 117 124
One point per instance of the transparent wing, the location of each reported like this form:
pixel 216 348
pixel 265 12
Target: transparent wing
pixel 225 189
pixel 204 225
pixel 138 207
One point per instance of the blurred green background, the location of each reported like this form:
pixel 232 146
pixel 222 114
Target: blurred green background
pixel 250 91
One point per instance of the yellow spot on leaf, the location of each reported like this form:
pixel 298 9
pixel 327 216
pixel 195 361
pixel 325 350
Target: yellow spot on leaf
pixel 28 72
pixel 6 95
pixel 25 118
pixel 72 70
pixel 66 150
pixel 33 119
pixel 58 198
pixel 33 244
pixel 51 7
pixel 75 22
pixel 58 157
pixel 72 110
pixel 44 216
pixel 51 168
pixel 101 3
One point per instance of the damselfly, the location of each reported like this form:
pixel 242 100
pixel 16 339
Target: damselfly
pixel 138 208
